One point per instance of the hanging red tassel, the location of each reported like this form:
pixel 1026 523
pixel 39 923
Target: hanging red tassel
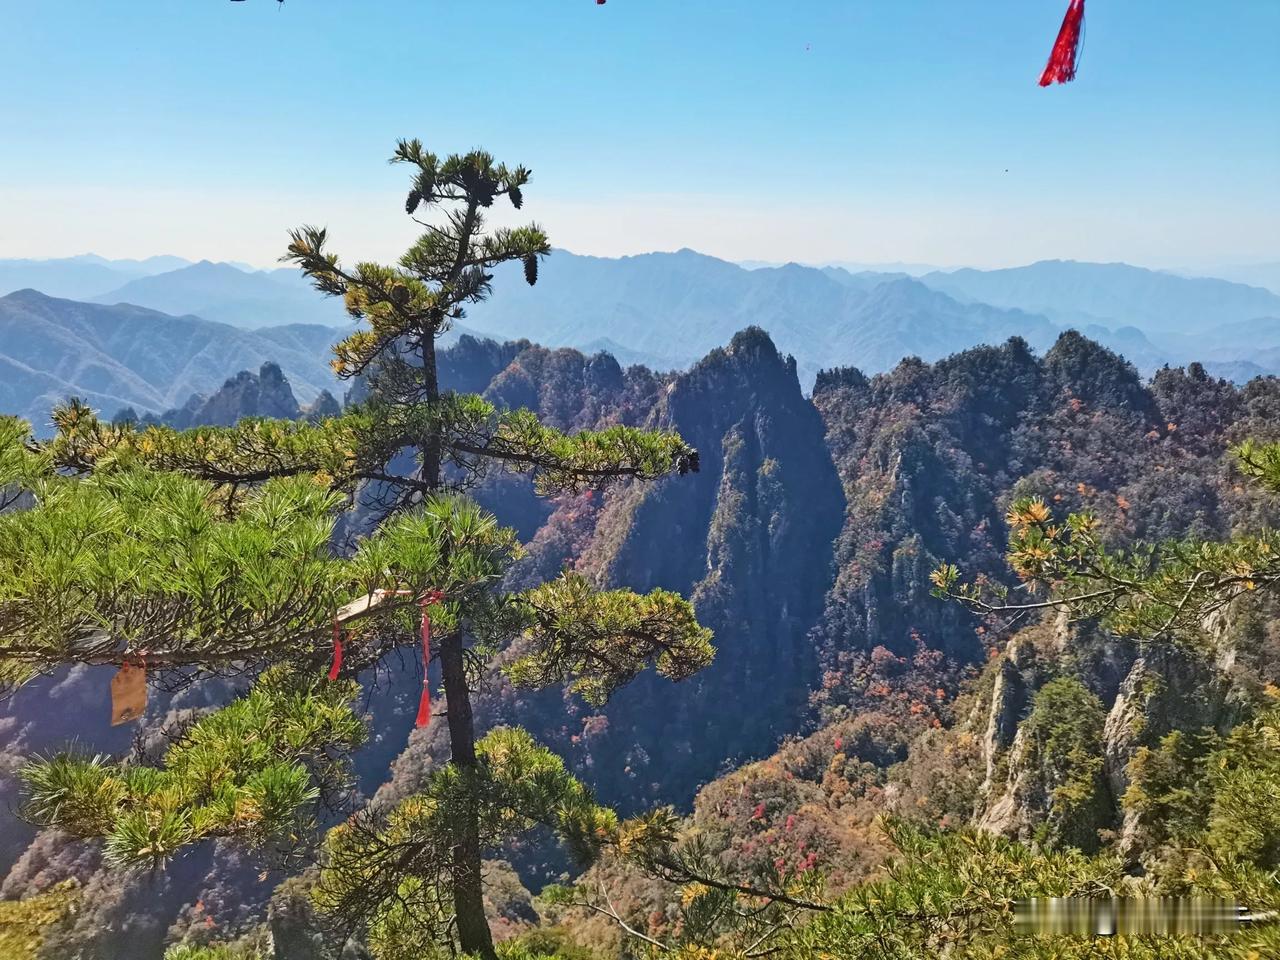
pixel 336 666
pixel 1061 67
pixel 424 702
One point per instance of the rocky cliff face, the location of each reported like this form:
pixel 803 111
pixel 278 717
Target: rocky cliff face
pixel 1142 694
pixel 925 454
pixel 749 539
pixel 263 394
pixel 266 394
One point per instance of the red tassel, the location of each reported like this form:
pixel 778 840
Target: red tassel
pixel 336 666
pixel 424 702
pixel 1061 67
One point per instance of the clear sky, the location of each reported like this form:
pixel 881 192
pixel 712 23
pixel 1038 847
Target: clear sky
pixel 810 130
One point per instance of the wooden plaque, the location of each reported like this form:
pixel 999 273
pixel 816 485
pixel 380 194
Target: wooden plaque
pixel 128 694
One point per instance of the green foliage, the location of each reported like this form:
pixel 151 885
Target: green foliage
pixel 187 951
pixel 406 308
pixel 144 560
pixel 1169 789
pixel 952 894
pixel 22 463
pixel 562 462
pixel 394 872
pixel 1150 591
pixel 600 640
pixel 23 923
pixel 443 271
pixel 249 770
pixel 944 893
pixel 544 943
pixel 1244 773
pixel 715 907
pixel 254 450
pixel 1261 461
pixel 132 563
pixel 949 888
pixel 1063 734
pixel 210 549
pixel 342 451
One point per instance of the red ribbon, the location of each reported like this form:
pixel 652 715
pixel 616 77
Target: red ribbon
pixel 1061 67
pixel 336 666
pixel 424 702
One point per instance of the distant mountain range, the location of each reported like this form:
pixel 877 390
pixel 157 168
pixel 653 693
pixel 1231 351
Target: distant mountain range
pixel 669 308
pixel 227 294
pixel 77 278
pixel 1111 294
pixel 232 293
pixel 662 310
pixel 897 266
pixel 1254 274
pixel 127 356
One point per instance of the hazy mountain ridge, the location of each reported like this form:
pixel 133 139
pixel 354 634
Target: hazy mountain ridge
pixel 1074 293
pixel 665 310
pixel 123 355
pixel 682 305
pixel 226 294
pixel 84 276
pixel 676 306
pixel 74 279
pixel 1265 275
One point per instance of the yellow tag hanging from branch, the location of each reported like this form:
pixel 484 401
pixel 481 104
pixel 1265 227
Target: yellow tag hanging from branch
pixel 128 694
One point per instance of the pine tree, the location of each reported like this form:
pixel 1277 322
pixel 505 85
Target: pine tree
pixel 209 550
pixel 1152 592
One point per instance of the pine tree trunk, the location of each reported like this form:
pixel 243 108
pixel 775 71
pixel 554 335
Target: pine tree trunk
pixel 474 935
pixel 468 890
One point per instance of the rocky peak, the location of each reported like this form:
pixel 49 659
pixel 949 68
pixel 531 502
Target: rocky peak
pixel 755 527
pixel 263 394
pixel 324 406
pixel 1084 369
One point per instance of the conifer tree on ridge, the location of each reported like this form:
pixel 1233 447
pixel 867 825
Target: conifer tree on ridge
pixel 208 550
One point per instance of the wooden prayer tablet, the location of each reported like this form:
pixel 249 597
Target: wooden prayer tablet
pixel 362 605
pixel 128 694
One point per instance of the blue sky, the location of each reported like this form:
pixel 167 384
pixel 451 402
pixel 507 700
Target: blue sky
pixel 862 130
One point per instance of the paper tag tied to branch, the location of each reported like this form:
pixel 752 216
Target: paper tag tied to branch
pixel 363 605
pixel 356 608
pixel 128 694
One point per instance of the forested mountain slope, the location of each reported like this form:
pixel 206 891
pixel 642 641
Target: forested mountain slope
pixel 805 541
pixel 1038 731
